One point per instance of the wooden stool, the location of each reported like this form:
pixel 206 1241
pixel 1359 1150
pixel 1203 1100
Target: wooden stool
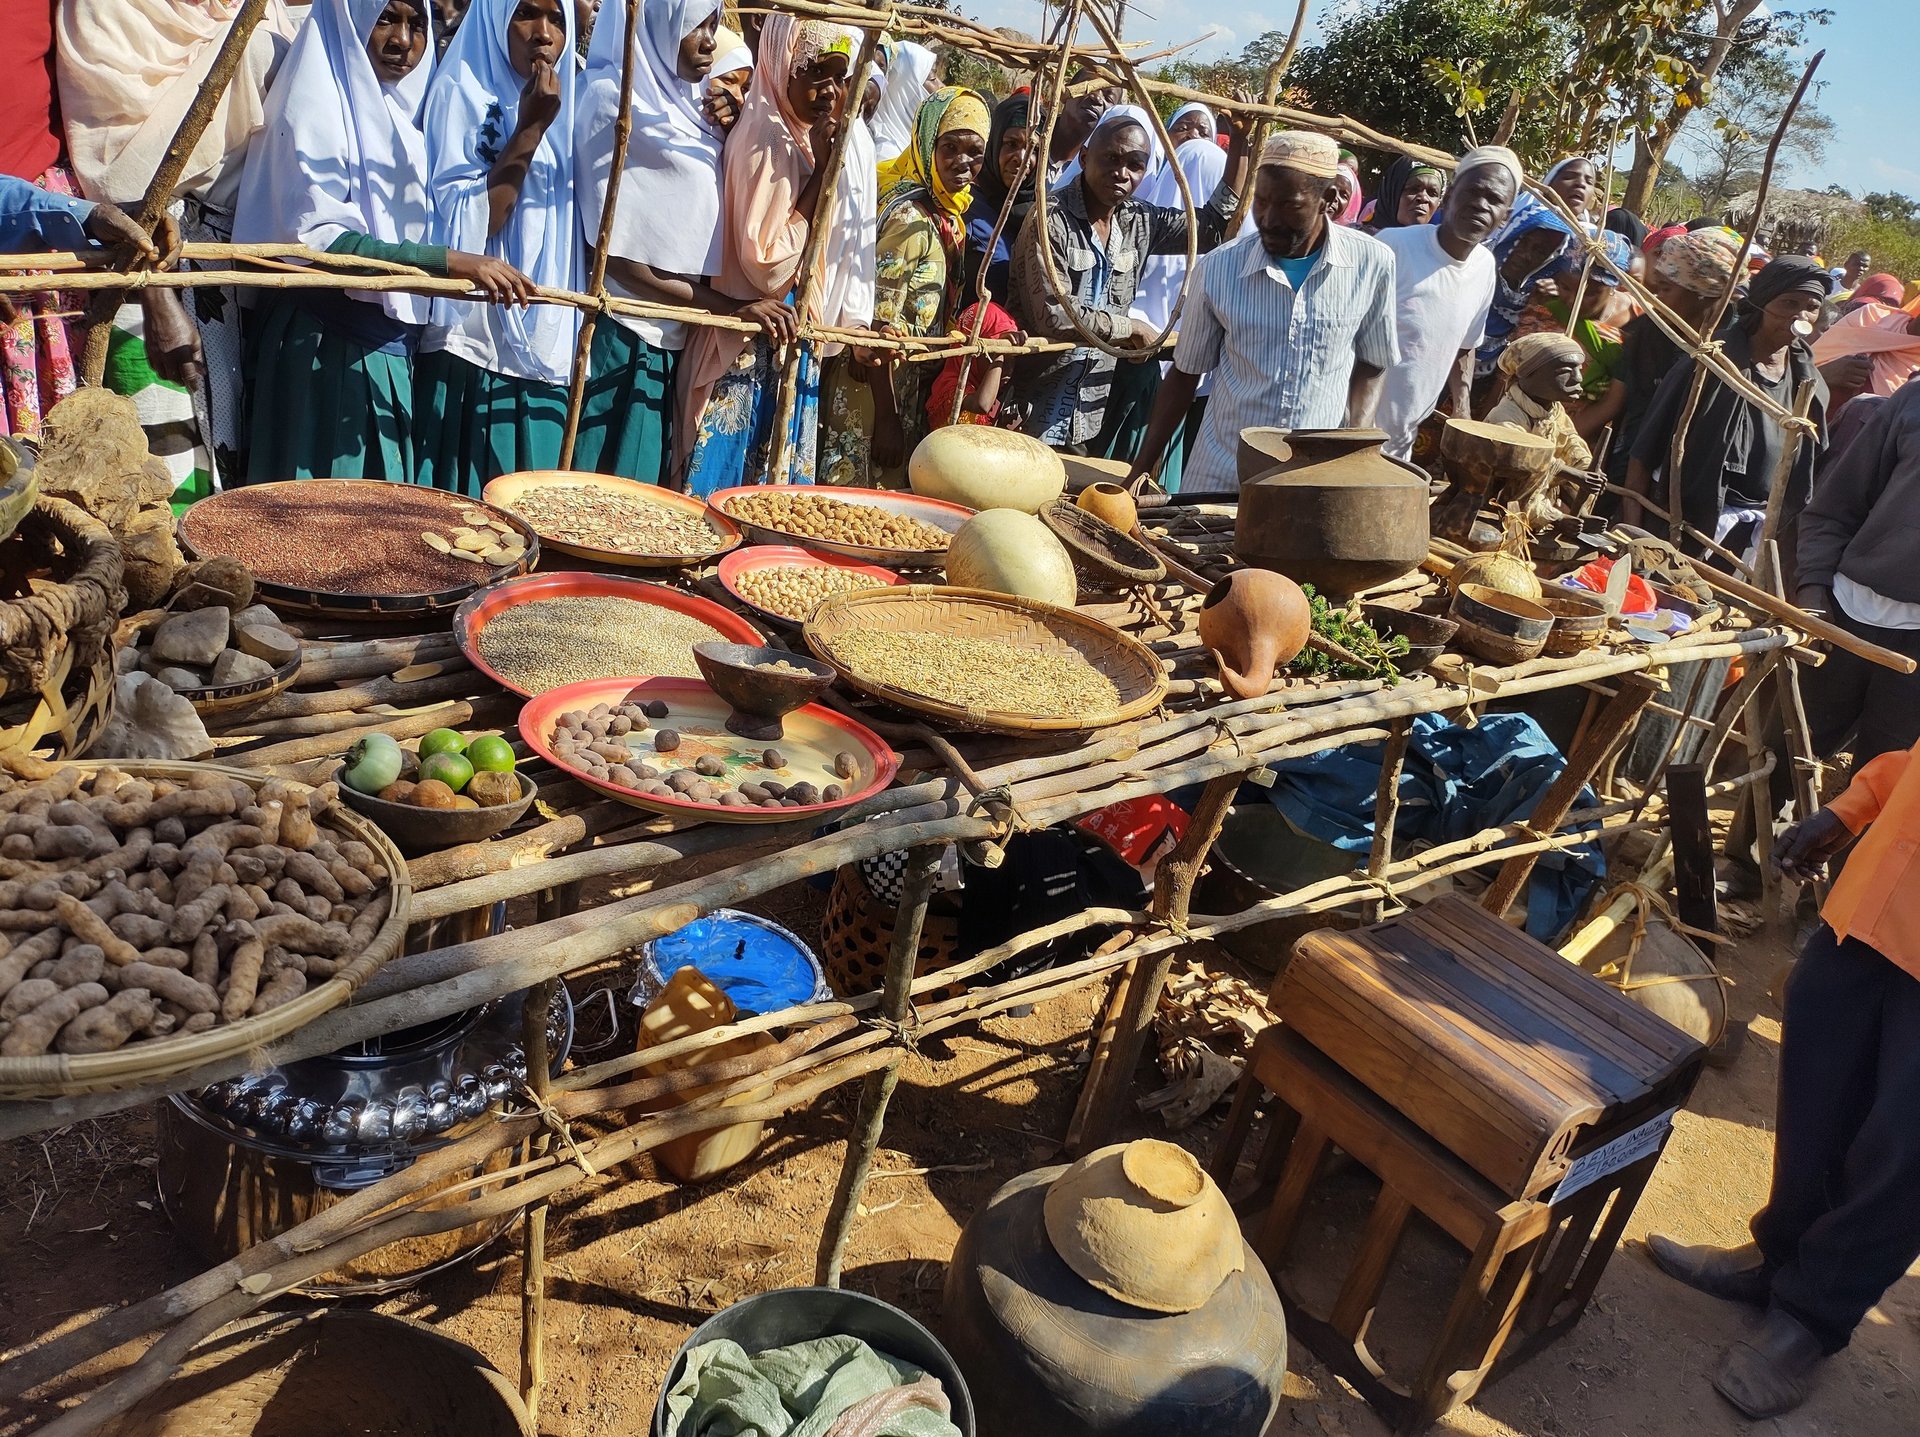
pixel 1488 1085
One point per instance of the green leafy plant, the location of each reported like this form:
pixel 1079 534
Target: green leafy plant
pixel 1346 628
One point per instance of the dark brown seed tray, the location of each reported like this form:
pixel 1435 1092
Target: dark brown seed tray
pixel 336 536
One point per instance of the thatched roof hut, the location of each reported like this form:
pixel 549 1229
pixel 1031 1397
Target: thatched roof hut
pixel 1795 220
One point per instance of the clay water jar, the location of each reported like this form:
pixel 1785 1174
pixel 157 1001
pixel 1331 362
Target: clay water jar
pixel 1111 503
pixel 1326 507
pixel 1252 622
pixel 1046 1351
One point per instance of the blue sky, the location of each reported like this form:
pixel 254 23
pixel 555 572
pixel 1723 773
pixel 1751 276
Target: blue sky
pixel 1869 65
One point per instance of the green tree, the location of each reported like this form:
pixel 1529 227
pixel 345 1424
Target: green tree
pixel 1645 67
pixel 1727 154
pixel 1401 66
pixel 1891 208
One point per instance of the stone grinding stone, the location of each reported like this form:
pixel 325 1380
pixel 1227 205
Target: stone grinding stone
pixel 275 646
pixel 234 667
pixel 194 638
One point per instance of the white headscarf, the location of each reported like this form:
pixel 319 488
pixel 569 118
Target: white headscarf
pixel 340 151
pixel 1156 157
pixel 667 213
pixel 737 58
pixel 471 113
pixel 128 72
pixel 908 68
pixel 1204 163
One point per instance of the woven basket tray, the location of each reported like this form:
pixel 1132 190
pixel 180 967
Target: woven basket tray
pixel 56 641
pixel 1017 623
pixel 149 1060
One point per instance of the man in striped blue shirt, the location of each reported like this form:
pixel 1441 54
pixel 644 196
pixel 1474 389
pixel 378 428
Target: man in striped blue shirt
pixel 1295 321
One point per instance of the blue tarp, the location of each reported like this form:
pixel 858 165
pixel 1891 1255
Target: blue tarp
pixel 1456 782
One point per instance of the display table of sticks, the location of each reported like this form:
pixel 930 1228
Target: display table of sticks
pixel 954 787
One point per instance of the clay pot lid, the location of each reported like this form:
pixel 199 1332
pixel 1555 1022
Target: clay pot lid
pixel 1144 1223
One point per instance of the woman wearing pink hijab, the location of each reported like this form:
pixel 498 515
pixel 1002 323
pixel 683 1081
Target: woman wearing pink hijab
pixel 1347 180
pixel 795 106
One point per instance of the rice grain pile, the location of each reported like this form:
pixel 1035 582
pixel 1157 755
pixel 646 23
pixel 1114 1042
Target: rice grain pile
pixel 550 642
pixel 986 674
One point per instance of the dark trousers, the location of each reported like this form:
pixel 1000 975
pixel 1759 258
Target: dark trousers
pixel 1848 698
pixel 1842 1223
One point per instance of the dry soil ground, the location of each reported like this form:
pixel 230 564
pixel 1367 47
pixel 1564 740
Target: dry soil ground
pixel 637 1261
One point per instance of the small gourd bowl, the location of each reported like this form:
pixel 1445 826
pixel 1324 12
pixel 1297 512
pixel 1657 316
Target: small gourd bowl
pixel 427 830
pixel 1580 620
pixel 1427 635
pixel 759 694
pixel 1499 627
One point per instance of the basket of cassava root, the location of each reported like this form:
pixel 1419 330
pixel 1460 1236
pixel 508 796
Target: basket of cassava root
pixel 157 916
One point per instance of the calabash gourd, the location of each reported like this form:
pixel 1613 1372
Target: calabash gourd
pixel 986 468
pixel 1010 552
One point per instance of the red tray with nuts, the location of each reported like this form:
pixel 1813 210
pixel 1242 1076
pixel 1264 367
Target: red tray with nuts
pixel 663 745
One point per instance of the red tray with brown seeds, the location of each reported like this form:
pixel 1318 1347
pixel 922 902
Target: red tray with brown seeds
pixel 361 548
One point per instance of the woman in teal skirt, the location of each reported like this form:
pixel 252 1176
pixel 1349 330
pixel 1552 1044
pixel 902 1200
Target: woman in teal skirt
pixel 664 246
pixel 341 166
pixel 491 384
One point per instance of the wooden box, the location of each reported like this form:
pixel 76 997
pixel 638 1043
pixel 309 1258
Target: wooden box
pixel 1502 1051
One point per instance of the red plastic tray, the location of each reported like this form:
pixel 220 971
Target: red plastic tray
pixel 473 615
pixel 697 714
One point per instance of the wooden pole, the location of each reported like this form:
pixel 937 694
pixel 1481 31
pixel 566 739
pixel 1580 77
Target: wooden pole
pixel 807 277
pixel 1613 725
pixel 923 867
pixel 597 279
pixel 533 1268
pixel 1386 804
pixel 1276 72
pixel 193 124
pixel 1172 900
pixel 1767 565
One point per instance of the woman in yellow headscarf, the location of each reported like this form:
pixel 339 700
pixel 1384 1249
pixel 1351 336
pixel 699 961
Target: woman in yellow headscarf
pixel 875 413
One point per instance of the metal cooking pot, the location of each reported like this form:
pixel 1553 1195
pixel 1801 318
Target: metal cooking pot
pixel 245 1160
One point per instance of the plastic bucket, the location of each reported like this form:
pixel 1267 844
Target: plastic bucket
pixel 798 1314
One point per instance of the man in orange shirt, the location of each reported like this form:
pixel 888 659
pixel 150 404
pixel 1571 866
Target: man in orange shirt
pixel 1842 1223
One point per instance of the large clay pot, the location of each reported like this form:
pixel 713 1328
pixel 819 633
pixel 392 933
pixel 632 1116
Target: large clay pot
pixel 1252 622
pixel 1043 1351
pixel 1326 507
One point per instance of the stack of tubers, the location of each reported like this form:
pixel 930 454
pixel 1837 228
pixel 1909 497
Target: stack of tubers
pixel 134 908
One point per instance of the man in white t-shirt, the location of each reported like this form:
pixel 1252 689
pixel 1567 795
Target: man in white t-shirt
pixel 1443 277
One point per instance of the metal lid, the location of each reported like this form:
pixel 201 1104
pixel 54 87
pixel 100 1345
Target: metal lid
pixel 393 1094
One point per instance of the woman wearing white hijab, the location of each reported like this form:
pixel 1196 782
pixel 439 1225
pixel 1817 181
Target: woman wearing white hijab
pixel 491 385
pixel 665 243
pixel 909 67
pixel 340 165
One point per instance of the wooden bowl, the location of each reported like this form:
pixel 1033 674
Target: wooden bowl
pixel 1427 635
pixel 759 694
pixel 427 830
pixel 1500 628
pixel 1487 458
pixel 1580 620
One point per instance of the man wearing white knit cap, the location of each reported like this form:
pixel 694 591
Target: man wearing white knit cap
pixel 1444 276
pixel 1294 320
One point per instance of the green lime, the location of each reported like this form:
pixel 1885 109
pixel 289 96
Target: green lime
pixel 441 740
pixel 450 768
pixel 490 754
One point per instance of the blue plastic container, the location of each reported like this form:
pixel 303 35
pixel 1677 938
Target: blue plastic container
pixel 758 964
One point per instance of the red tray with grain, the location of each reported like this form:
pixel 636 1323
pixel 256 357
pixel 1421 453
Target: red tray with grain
pixel 607 620
pixel 815 737
pixel 356 548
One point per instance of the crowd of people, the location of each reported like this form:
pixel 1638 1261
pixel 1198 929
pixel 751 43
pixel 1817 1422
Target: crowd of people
pixel 476 142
